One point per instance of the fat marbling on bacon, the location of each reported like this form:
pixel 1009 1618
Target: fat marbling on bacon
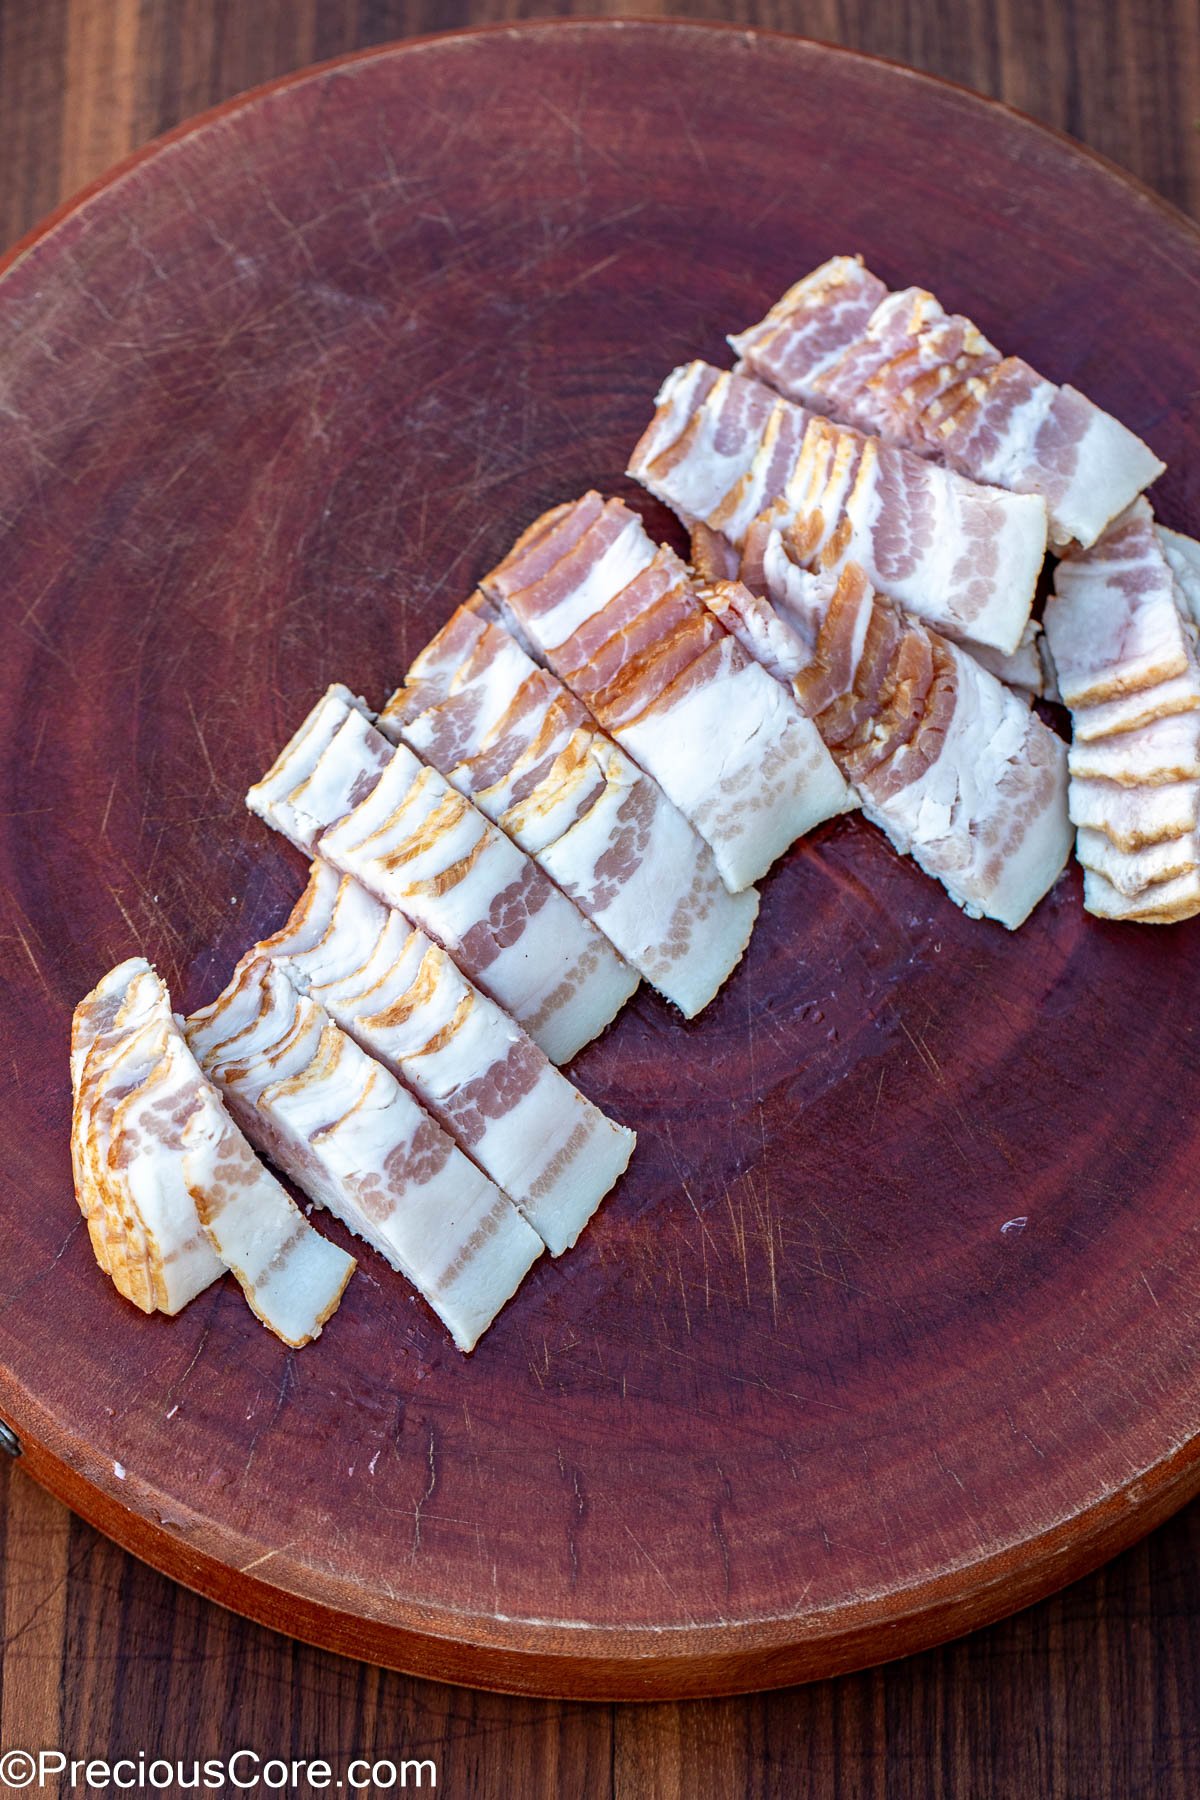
pixel 529 754
pixel 375 812
pixel 346 1132
pixel 172 1193
pixel 955 769
pixel 617 619
pixel 726 451
pixel 1123 637
pixel 898 365
pixel 471 1066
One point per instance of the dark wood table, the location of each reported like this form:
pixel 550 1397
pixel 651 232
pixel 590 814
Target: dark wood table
pixel 1092 1693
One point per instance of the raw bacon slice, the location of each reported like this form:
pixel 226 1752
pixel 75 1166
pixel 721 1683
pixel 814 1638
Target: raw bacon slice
pixel 954 768
pixel 964 557
pixel 375 812
pixel 159 1261
pixel 172 1193
pixel 356 1142
pixel 898 365
pixel 1123 639
pixel 618 620
pixel 1135 818
pixel 485 1082
pixel 292 1277
pixel 1114 621
pixel 1131 872
pixel 1166 750
pixel 1166 903
pixel 528 753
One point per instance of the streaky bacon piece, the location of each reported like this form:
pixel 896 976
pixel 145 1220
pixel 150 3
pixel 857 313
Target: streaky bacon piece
pixel 511 737
pixel 342 1127
pixel 1135 818
pixel 171 1191
pixel 374 811
pixel 1114 621
pixel 898 365
pixel 1165 903
pixel 1131 873
pixel 158 1258
pixel 948 762
pixel 745 461
pixel 1123 639
pixel 472 1067
pixel 618 620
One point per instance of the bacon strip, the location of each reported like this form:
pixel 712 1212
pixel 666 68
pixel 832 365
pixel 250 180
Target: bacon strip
pixel 950 764
pixel 341 1126
pixel 1123 638
pixel 171 1191
pixel 618 620
pixel 898 365
pixel 485 1082
pixel 528 753
pixel 375 812
pixel 743 461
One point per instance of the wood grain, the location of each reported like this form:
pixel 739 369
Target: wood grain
pixel 924 1725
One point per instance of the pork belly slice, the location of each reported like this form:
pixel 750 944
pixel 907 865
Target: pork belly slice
pixel 1131 872
pixel 618 620
pixel 957 771
pixel 898 365
pixel 964 557
pixel 179 1193
pixel 481 1077
pixel 1134 818
pixel 512 738
pixel 1117 621
pixel 1166 903
pixel 376 812
pixel 342 1127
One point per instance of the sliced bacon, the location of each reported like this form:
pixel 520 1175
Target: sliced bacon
pixel 898 365
pixel 962 556
pixel 953 767
pixel 529 754
pixel 623 627
pixel 374 811
pixel 1123 639
pixel 172 1193
pixel 471 1066
pixel 346 1132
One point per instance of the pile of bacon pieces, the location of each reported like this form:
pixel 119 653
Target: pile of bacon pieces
pixel 599 754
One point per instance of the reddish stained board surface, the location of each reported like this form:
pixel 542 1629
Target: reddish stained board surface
pixel 273 398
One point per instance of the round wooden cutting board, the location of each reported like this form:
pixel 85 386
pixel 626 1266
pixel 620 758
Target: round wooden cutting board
pixel 893 1325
